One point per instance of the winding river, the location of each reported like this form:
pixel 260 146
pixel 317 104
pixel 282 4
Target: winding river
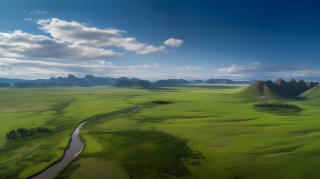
pixel 74 148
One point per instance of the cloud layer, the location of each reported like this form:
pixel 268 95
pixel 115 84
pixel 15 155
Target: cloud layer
pixel 266 71
pixel 72 41
pixel 19 44
pixel 33 69
pixel 80 35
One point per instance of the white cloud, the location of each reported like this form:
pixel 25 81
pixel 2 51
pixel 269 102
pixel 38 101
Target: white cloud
pixel 79 34
pixel 193 68
pixel 28 19
pixel 174 42
pixel 151 49
pixel 19 44
pixel 71 41
pixel 37 11
pixel 102 62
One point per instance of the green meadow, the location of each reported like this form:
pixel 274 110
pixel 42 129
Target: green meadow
pixel 202 132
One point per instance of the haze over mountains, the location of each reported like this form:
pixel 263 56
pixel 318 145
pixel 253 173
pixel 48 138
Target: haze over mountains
pixel 87 81
pixel 90 80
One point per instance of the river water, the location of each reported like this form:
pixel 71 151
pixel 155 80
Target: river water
pixel 75 147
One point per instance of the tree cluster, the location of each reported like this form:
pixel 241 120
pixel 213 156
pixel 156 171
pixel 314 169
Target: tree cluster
pixel 4 85
pixel 162 102
pixel 278 105
pixel 24 132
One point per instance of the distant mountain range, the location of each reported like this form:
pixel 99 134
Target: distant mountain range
pixel 279 88
pixel 226 81
pixel 90 80
pixel 72 80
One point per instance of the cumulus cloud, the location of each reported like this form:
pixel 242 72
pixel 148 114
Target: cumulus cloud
pixel 28 19
pixel 20 44
pixel 151 49
pixel 79 34
pixel 174 42
pixel 71 41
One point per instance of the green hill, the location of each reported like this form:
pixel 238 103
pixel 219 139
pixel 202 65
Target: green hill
pixel 278 89
pixel 261 88
pixel 312 84
pixel 312 93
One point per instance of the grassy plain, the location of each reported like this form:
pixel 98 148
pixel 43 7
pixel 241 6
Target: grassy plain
pixel 207 132
pixel 59 109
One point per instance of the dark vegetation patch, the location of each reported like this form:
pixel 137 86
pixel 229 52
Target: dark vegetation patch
pixel 37 155
pixel 144 152
pixel 24 132
pixel 240 120
pixel 162 102
pixel 4 85
pixel 60 107
pixel 278 108
pixel 277 105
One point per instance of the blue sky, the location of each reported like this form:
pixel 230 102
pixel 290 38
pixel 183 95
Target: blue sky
pixel 157 39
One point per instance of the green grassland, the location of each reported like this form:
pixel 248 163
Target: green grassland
pixel 59 109
pixel 206 132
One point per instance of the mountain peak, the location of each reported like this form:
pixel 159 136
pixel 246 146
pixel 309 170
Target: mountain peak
pixel 292 81
pixel 280 81
pixel 301 82
pixel 71 76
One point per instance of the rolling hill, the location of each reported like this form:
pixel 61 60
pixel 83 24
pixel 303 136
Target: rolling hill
pixel 278 89
pixel 261 88
pixel 312 93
